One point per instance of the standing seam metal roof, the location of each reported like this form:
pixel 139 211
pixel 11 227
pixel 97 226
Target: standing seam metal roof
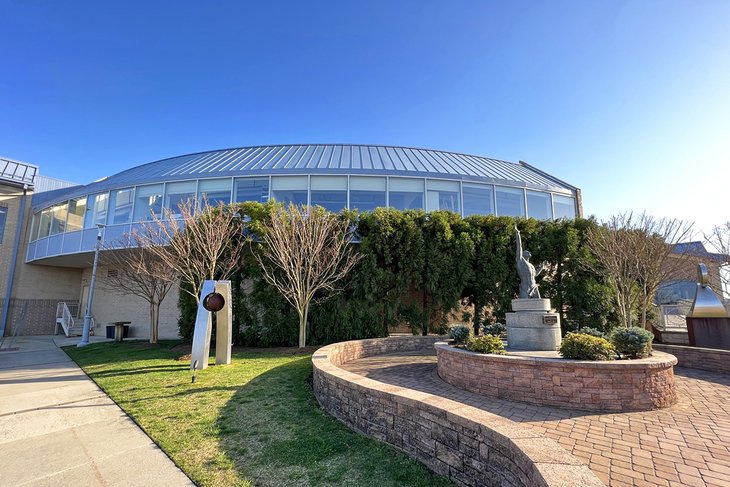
pixel 328 159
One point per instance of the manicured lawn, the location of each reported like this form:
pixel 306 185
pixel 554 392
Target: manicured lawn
pixel 255 421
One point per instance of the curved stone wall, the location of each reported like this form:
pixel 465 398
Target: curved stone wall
pixel 615 386
pixel 469 445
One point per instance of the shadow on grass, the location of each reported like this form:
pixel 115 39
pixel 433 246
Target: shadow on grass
pixel 276 434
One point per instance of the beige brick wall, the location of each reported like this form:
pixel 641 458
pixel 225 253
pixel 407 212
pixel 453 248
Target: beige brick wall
pixel 10 198
pixel 109 306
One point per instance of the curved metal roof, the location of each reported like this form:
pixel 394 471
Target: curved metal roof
pixel 328 159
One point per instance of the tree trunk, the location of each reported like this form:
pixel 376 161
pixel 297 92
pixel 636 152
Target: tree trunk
pixel 303 326
pixel 153 323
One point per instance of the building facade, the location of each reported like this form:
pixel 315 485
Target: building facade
pixel 58 232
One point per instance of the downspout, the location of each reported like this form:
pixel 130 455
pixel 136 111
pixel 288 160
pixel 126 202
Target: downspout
pixel 13 260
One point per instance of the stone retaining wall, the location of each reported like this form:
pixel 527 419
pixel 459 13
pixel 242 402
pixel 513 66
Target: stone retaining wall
pixel 469 445
pixel 615 386
pixel 710 359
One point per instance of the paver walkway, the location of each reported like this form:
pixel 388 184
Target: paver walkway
pixel 687 444
pixel 57 428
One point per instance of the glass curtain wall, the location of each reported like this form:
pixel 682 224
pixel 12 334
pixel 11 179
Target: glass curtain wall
pixel 121 206
pixel 216 191
pixel 76 213
pixel 58 218
pixel 405 193
pixel 510 201
pixel 252 189
pixel 539 206
pixel 98 208
pixel 329 192
pixel 478 199
pixel 289 189
pixel 564 206
pixel 148 201
pixel 367 193
pixel 443 195
pixel 179 193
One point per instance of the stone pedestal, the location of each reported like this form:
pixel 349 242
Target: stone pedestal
pixel 532 326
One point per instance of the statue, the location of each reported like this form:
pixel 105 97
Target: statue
pixel 526 271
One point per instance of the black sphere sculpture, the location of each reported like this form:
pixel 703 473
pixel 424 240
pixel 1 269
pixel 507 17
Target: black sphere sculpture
pixel 214 302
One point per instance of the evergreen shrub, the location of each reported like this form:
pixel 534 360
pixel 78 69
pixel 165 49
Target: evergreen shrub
pixel 459 333
pixel 632 342
pixel 486 344
pixel 581 346
pixel 496 329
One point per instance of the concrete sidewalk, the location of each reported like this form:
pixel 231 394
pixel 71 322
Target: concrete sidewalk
pixel 57 428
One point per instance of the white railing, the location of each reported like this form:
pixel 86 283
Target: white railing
pixel 64 317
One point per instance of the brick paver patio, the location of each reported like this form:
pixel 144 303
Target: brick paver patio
pixel 687 444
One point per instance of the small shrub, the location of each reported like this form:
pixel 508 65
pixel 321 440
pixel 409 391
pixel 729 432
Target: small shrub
pixel 495 329
pixel 581 346
pixel 459 333
pixel 592 332
pixel 486 344
pixel 632 342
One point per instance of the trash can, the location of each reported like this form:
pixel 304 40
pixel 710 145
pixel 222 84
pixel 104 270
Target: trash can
pixel 110 332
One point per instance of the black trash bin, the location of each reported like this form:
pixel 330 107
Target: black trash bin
pixel 110 332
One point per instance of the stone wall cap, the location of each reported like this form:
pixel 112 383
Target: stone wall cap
pixel 657 360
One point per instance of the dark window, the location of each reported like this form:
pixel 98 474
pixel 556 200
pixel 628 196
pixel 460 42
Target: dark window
pixel 3 218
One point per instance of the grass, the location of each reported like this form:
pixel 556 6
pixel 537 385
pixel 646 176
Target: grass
pixel 254 422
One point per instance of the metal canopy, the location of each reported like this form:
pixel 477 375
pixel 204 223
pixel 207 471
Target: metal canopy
pixel 16 172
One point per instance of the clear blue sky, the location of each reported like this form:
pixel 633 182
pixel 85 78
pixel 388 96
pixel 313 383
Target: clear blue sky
pixel 628 100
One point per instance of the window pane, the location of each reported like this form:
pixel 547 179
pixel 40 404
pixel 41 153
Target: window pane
pixel 45 225
pixel 443 195
pixel 289 189
pixel 3 219
pixel 147 201
pixel 564 206
pixel 76 213
pixel 478 199
pixel 216 191
pixel 538 205
pixel 36 226
pixel 367 193
pixel 58 218
pixel 329 192
pixel 252 189
pixel 121 204
pixel 100 204
pixel 178 194
pixel 510 201
pixel 405 194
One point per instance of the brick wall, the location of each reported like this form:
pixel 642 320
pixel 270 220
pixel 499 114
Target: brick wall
pixel 33 316
pixel 470 446
pixel 616 386
pixel 709 359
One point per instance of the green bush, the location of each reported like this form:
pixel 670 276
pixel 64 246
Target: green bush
pixel 486 344
pixel 495 329
pixel 459 333
pixel 587 330
pixel 632 342
pixel 581 346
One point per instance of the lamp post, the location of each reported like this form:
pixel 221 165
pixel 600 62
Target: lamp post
pixel 87 317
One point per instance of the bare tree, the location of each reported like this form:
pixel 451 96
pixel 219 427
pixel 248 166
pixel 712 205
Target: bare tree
pixel 658 257
pixel 305 251
pixel 719 241
pixel 198 242
pixel 140 273
pixel 637 254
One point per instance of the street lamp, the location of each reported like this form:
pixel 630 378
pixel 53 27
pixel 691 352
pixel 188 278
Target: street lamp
pixel 87 317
